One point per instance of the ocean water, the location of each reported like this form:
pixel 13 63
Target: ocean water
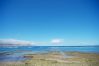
pixel 16 53
pixel 92 49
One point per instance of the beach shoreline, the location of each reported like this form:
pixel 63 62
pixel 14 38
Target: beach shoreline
pixel 56 58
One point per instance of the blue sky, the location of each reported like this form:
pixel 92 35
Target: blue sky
pixel 69 22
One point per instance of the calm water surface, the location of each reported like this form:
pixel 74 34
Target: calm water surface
pixel 18 56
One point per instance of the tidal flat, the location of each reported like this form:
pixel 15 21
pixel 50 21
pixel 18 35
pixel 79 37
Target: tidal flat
pixel 55 58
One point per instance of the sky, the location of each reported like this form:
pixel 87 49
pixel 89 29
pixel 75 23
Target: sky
pixel 49 22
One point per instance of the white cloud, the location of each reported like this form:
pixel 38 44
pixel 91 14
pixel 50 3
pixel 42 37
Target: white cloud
pixel 57 41
pixel 15 42
pixel 53 42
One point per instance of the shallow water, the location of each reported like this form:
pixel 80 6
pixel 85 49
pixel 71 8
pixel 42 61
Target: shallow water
pixel 18 56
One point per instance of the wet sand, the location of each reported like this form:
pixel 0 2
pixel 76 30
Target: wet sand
pixel 57 59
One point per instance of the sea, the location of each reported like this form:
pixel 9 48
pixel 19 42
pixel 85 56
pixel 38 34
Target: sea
pixel 16 53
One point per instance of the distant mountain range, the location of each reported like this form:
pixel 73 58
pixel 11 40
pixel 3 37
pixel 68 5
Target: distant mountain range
pixel 12 45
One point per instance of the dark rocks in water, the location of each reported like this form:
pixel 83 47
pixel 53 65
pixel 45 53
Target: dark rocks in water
pixel 5 53
pixel 28 56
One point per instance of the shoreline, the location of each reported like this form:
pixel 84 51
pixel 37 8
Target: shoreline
pixel 52 58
